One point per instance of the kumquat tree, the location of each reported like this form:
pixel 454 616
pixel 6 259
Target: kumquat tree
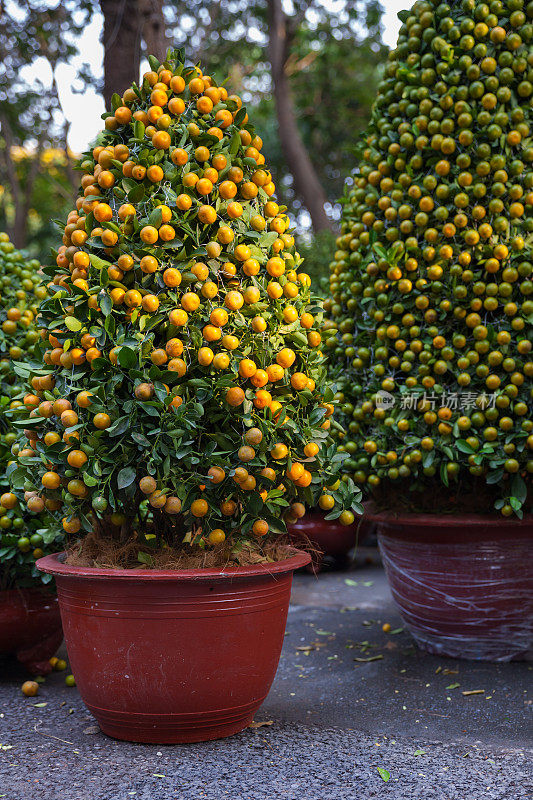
pixel 23 537
pixel 181 398
pixel 431 283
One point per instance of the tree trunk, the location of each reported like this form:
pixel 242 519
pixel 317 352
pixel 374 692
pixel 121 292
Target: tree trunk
pixel 122 45
pixel 21 195
pixel 306 182
pixel 72 175
pixel 153 28
pixel 19 230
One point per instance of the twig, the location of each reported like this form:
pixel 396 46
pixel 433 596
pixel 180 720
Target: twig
pixel 49 736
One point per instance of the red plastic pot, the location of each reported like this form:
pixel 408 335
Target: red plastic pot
pixel 168 656
pixel 30 627
pixel 328 537
pixel 463 584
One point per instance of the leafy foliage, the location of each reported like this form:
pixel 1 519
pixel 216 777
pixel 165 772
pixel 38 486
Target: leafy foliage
pixel 22 535
pixel 46 189
pixel 182 330
pixel 431 283
pixel 316 251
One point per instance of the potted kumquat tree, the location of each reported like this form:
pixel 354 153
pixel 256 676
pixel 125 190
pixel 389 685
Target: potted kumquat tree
pixel 30 625
pixel 431 325
pixel 189 419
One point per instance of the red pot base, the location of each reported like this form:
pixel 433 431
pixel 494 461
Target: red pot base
pixel 175 728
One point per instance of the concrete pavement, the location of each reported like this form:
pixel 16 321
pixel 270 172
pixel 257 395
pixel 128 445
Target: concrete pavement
pixel 350 706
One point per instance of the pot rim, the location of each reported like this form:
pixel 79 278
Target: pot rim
pixel 313 519
pixel 414 519
pixel 53 565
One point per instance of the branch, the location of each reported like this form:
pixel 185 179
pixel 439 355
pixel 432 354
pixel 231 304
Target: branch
pixel 292 66
pixel 60 188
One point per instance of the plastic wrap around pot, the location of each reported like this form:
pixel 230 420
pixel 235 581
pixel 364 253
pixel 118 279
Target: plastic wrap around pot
pixel 464 586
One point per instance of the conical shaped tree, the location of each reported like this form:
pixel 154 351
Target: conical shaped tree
pixel 181 334
pixel 431 284
pixel 21 532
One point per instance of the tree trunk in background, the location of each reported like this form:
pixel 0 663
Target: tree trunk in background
pixel 306 182
pixel 122 46
pixel 153 28
pixel 21 195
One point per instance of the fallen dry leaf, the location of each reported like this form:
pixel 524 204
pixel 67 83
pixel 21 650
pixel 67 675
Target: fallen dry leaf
pixel 370 658
pixel 91 730
pixel 265 724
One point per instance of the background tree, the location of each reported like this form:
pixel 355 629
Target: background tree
pixel 37 177
pixel 308 79
pixel 36 40
pixel 306 181
pixel 315 70
pixel 127 25
pixel 122 46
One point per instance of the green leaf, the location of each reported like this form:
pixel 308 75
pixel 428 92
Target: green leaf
pixel 73 324
pixel 138 129
pixel 384 774
pixel 240 115
pixel 235 143
pixel 464 447
pixel 112 226
pixel 268 239
pixel 126 477
pixel 119 427
pixel 110 325
pixel 98 262
pixel 140 439
pixel 495 477
pixel 155 218
pixel 106 304
pixel 127 358
pixel 136 194
pixel 519 489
